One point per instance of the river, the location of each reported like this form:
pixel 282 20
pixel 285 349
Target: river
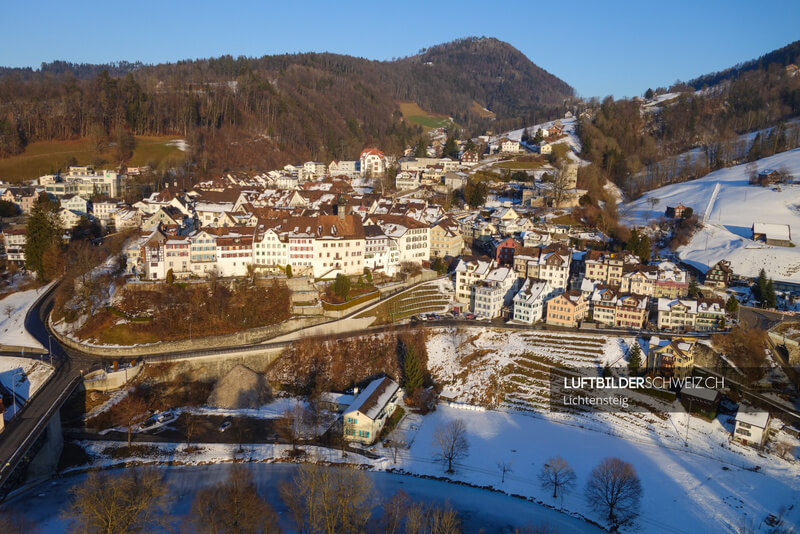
pixel 479 509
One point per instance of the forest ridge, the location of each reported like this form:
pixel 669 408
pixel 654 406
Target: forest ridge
pixel 279 108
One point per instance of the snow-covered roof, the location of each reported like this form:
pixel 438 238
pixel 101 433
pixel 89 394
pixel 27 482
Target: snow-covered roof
pixel 759 419
pixel 666 305
pixel 375 396
pixel 701 393
pixel 773 231
pixel 499 275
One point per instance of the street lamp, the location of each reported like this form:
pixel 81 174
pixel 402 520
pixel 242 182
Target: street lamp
pixel 50 348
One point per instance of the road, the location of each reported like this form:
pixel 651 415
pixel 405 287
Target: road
pixel 20 433
pixel 758 318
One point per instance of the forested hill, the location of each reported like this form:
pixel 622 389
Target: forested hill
pixel 782 57
pixel 256 112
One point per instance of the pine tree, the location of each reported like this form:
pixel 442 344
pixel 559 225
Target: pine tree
pixel 759 289
pixel 732 306
pixel 770 296
pixel 422 149
pixel 693 289
pixel 44 230
pixel 635 358
pixel 450 148
pixel 412 371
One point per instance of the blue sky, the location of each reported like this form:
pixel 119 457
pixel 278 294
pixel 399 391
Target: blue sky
pixel 600 48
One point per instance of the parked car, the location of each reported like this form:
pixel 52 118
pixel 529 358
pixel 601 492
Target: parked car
pixel 226 424
pixel 469 316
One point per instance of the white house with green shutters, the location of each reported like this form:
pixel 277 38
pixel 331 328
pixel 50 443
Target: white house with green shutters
pixel 372 407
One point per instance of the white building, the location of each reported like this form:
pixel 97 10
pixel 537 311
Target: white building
pixel 677 314
pixel 104 212
pixel 509 146
pixel 313 170
pixel 407 180
pixel 365 418
pixel 494 292
pixel 751 427
pixel 412 236
pixel 373 162
pixel 381 253
pixel 469 271
pixel 529 301
pixel 351 169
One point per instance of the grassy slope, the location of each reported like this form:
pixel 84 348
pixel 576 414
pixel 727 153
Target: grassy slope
pixel 415 114
pixel 43 157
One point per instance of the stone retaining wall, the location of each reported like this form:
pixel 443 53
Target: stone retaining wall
pixel 245 337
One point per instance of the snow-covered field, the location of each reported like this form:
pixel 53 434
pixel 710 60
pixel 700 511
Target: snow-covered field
pixel 13 310
pixel 728 206
pixel 22 377
pixel 682 491
pixel 706 486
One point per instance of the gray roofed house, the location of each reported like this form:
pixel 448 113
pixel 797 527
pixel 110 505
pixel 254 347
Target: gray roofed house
pixel 366 417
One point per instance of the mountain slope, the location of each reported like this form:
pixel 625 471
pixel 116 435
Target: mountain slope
pixel 256 112
pixel 782 57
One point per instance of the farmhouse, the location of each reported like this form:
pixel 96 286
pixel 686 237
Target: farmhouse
pixel 751 427
pixel 719 275
pixel 778 235
pixel 675 212
pixel 365 418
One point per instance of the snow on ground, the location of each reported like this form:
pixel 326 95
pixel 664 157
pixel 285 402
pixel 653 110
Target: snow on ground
pixel 729 206
pixel 272 410
pixel 711 472
pixel 180 144
pixel 571 138
pixel 22 377
pixel 682 491
pixel 14 308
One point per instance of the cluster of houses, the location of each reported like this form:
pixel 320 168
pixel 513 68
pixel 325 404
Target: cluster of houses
pixel 565 287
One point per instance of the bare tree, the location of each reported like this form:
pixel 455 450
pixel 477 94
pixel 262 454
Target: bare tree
pixel 451 442
pixel 232 506
pixel 396 443
pixel 135 501
pixel 394 510
pixel 329 499
pixel 9 309
pixel 614 487
pixel 129 412
pixel 505 467
pixel 653 201
pixel 11 521
pixel 422 519
pixel 290 425
pixel 784 448
pixel 189 424
pixel 558 475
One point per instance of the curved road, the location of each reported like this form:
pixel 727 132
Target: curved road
pixel 22 432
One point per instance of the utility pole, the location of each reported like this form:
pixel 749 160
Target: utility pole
pixel 688 420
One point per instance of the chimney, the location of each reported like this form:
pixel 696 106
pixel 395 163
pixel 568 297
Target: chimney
pixel 341 207
pixel 355 392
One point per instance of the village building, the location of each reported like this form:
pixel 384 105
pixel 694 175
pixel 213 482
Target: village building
pixel 529 301
pixel 495 292
pixel 752 428
pixel 469 271
pixel 372 407
pixel 719 275
pixel 678 315
pixel 670 357
pixel 778 235
pixel 568 309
